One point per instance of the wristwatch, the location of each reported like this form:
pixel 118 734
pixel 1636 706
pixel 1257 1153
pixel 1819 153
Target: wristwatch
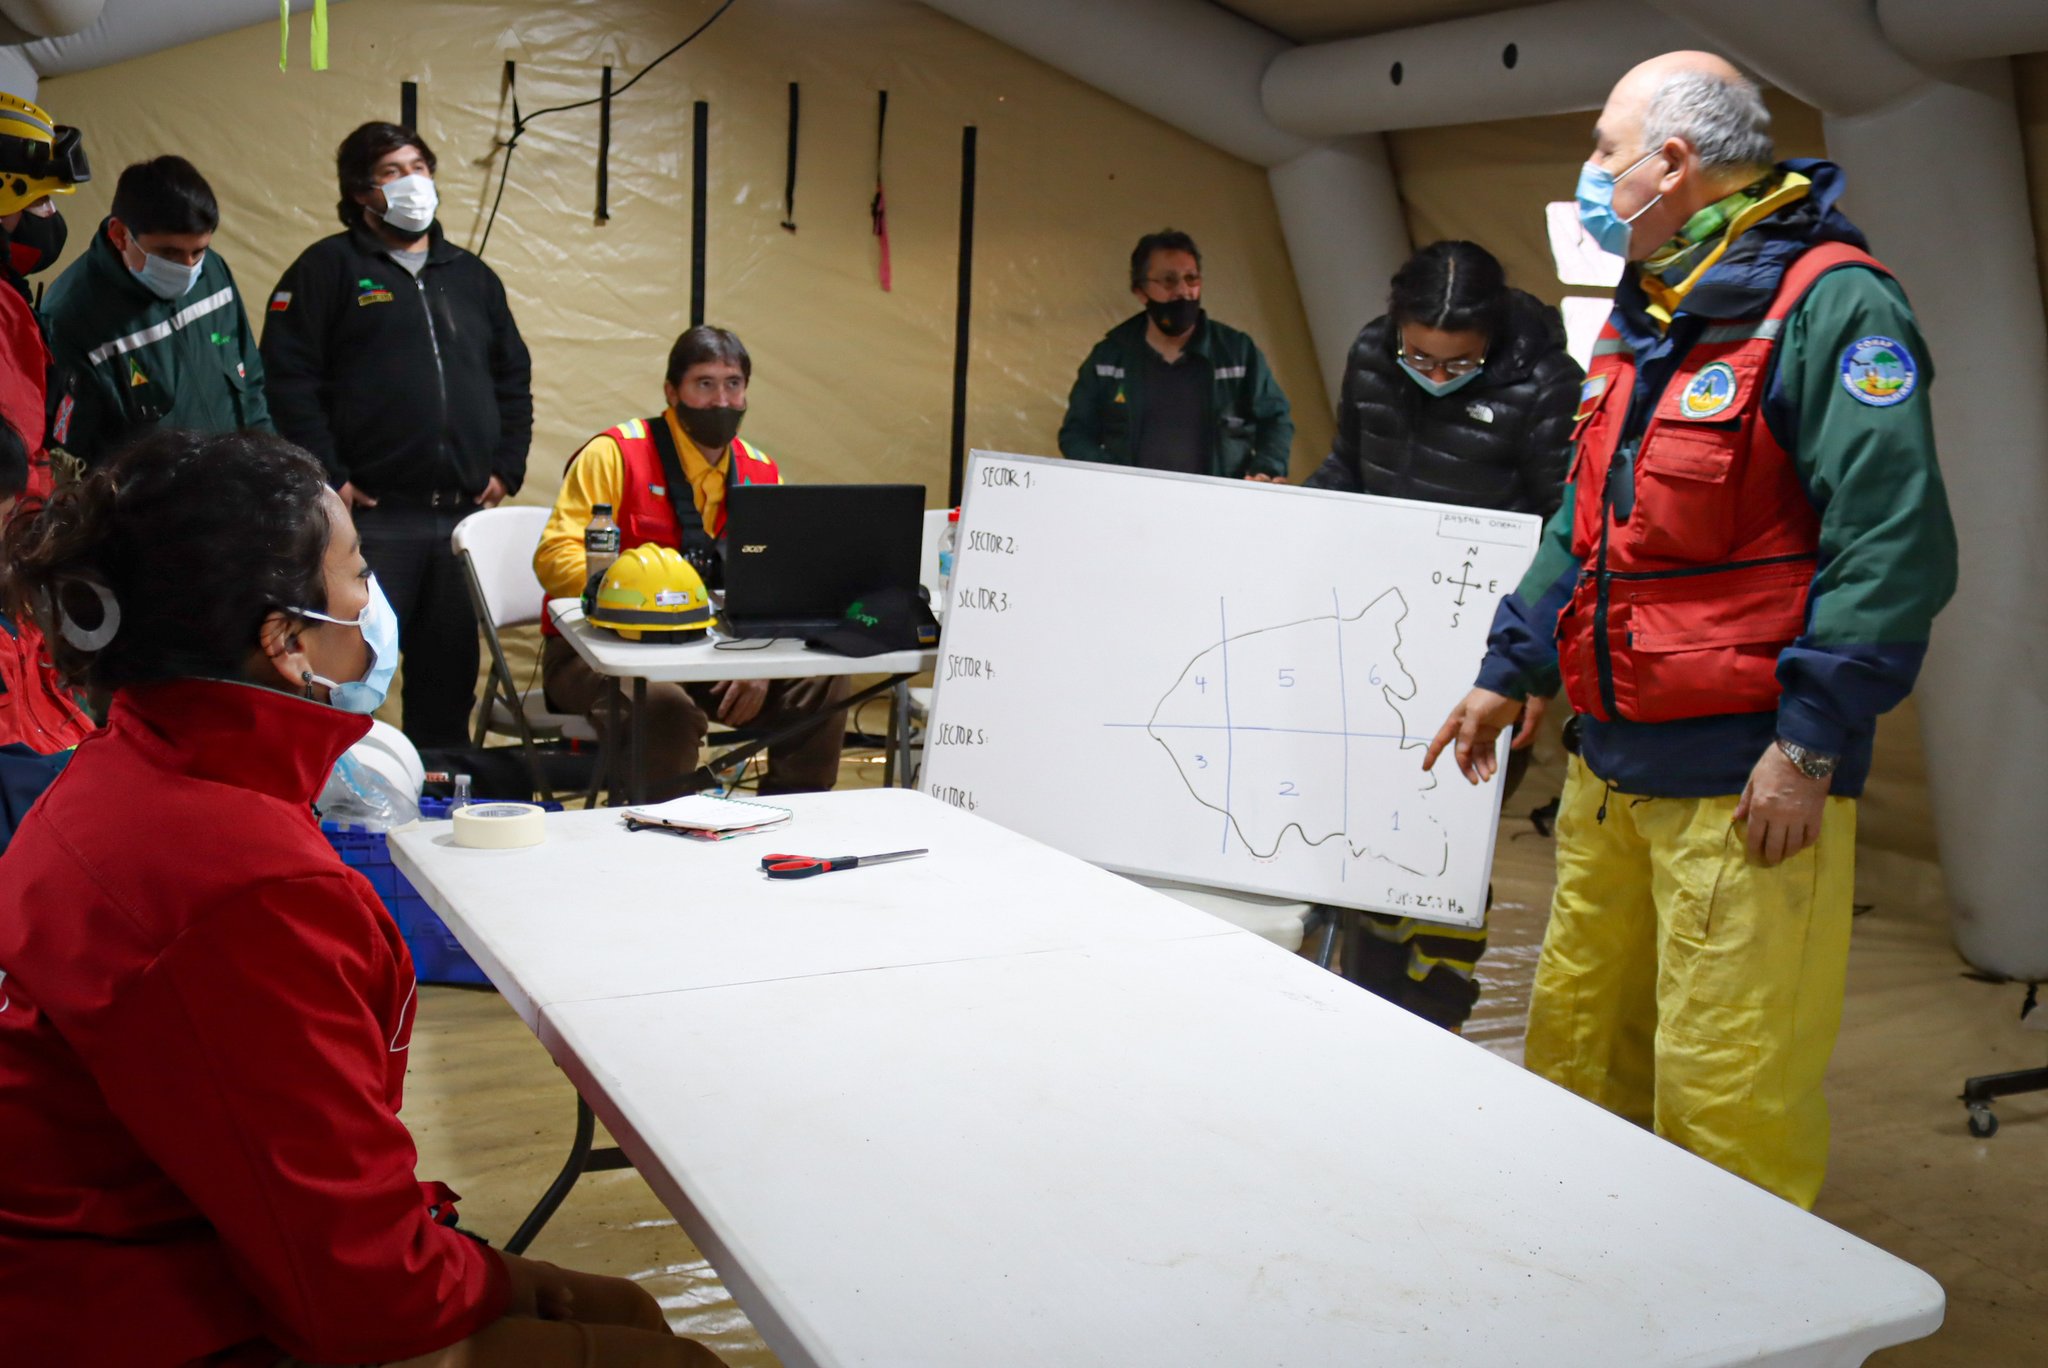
pixel 1812 764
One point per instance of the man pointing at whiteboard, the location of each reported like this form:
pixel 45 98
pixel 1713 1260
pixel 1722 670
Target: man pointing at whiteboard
pixel 1752 548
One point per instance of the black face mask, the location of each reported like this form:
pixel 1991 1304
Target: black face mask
pixel 1175 316
pixel 36 243
pixel 710 427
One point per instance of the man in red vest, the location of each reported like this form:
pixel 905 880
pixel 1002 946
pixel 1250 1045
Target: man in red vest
pixel 665 479
pixel 36 710
pixel 38 159
pixel 1752 548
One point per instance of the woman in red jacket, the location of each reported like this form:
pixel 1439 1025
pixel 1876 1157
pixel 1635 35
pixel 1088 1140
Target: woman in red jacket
pixel 204 1015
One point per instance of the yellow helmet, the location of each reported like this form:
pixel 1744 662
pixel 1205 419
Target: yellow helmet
pixel 37 157
pixel 652 589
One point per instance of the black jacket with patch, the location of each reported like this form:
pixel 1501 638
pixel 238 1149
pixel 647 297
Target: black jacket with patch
pixel 400 385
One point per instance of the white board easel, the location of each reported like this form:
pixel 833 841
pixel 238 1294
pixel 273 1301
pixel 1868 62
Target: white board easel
pixel 1222 683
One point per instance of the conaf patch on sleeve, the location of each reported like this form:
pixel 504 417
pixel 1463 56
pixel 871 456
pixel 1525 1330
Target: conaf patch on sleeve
pixel 1879 371
pixel 1589 396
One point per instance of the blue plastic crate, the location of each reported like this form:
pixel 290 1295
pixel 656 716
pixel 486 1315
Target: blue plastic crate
pixel 437 957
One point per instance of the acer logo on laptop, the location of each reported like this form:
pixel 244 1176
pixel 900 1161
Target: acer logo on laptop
pixel 753 548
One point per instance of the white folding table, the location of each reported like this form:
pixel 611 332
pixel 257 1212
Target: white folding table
pixel 996 1107
pixel 716 658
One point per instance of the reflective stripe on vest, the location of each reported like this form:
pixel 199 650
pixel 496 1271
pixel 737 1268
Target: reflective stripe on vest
pixel 1687 604
pixel 644 513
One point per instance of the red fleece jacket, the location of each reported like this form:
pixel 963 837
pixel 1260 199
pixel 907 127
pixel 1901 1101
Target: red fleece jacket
pixel 204 1018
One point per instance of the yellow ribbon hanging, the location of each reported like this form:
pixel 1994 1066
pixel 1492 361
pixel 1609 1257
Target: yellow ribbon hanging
pixel 284 34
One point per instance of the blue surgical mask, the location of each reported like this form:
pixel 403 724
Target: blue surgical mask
pixel 379 626
pixel 1596 207
pixel 1439 388
pixel 167 280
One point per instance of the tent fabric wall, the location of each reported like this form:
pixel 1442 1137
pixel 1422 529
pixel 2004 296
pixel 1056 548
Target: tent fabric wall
pixel 2030 93
pixel 851 383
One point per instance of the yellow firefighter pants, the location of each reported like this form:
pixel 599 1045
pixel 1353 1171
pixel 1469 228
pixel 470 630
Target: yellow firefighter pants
pixel 1687 988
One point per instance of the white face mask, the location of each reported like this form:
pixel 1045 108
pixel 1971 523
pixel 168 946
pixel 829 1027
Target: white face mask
pixel 166 279
pixel 410 202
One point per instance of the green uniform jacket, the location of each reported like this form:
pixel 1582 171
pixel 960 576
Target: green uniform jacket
pixel 1248 421
pixel 128 361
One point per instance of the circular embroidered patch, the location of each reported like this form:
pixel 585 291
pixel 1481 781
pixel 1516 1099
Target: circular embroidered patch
pixel 1710 392
pixel 1879 371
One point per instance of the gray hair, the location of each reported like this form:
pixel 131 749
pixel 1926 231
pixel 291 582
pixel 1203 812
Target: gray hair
pixel 1725 122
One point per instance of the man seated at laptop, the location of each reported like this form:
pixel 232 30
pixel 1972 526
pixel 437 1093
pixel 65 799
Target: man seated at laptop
pixel 634 468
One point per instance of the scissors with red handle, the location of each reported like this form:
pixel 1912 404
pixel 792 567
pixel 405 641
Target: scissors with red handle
pixel 804 866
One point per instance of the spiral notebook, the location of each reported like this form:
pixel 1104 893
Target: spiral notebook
pixel 701 812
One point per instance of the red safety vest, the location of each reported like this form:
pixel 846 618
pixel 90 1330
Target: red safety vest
pixel 1682 610
pixel 24 379
pixel 36 710
pixel 644 513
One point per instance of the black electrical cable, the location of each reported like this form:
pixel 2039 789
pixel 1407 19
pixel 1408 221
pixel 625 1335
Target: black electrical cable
pixel 520 122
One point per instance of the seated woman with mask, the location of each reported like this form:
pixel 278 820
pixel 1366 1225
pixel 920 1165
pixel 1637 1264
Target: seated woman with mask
pixel 204 1015
pixel 1461 393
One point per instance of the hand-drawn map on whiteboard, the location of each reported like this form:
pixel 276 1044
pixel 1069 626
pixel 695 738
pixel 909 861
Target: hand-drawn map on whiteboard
pixel 1222 683
pixel 1280 750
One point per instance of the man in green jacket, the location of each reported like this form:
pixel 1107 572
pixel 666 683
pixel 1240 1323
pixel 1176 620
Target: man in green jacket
pixel 1173 389
pixel 147 327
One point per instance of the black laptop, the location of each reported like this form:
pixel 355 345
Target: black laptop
pixel 796 555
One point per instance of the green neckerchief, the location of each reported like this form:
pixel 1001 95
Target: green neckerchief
pixel 1680 257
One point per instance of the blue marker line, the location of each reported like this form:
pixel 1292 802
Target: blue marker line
pixel 1285 731
pixel 1223 619
pixel 1343 712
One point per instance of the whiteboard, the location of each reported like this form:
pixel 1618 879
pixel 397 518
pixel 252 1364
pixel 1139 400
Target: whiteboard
pixel 1222 683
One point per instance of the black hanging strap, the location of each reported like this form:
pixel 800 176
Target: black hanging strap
pixel 409 105
pixel 789 176
pixel 699 195
pixel 604 147
pixel 962 308
pixel 698 547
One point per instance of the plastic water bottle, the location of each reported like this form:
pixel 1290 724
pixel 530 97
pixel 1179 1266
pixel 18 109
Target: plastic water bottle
pixel 461 798
pixel 600 542
pixel 949 542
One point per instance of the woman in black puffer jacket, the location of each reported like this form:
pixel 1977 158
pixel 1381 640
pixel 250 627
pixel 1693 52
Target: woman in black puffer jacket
pixel 1461 393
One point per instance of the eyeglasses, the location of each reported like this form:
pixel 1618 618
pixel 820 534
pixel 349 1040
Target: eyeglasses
pixel 1426 363
pixel 1174 282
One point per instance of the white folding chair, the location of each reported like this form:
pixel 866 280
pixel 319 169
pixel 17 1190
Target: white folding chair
pixel 496 546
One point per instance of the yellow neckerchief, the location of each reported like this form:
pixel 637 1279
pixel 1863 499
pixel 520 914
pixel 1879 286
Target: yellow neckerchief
pixel 707 481
pixel 1730 218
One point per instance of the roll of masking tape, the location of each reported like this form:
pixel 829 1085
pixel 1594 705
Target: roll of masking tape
pixel 499 826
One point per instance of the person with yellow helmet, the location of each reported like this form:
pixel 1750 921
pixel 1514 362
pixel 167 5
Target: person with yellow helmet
pixel 665 479
pixel 38 158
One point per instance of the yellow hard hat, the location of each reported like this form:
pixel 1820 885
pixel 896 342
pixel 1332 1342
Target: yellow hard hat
pixel 652 589
pixel 37 157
